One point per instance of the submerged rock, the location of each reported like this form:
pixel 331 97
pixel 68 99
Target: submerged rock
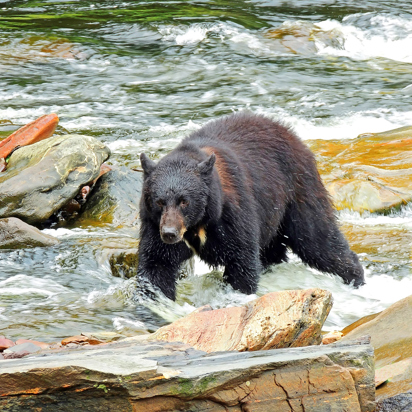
pixel 16 234
pixel 145 376
pixel 44 176
pixel 115 199
pixel 284 319
pixel 371 173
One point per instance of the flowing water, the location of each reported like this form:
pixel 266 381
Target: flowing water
pixel 141 75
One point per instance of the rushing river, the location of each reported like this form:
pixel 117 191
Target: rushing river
pixel 141 75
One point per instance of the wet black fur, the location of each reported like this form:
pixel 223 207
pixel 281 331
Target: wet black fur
pixel 278 202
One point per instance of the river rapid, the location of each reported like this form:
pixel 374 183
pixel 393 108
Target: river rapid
pixel 139 76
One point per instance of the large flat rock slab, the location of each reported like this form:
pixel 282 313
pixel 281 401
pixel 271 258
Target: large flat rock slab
pixel 391 337
pixel 145 376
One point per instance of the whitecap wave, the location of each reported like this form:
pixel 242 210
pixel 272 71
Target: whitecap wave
pixel 385 36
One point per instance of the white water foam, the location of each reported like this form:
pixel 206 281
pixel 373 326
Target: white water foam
pixel 29 285
pixel 386 36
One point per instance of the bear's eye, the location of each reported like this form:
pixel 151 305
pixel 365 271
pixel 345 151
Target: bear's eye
pixel 160 203
pixel 183 203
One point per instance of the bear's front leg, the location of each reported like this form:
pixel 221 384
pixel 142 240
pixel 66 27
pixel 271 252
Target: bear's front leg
pixel 242 273
pixel 159 262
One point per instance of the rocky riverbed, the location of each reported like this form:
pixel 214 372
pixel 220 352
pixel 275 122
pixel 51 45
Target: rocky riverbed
pixel 62 179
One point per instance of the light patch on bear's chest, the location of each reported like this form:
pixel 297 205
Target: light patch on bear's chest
pixel 202 235
pixel 197 240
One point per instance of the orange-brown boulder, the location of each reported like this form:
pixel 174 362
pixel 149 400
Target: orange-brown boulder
pixel 369 173
pixel 283 319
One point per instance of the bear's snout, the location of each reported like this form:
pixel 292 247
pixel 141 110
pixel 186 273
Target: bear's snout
pixel 172 227
pixel 169 234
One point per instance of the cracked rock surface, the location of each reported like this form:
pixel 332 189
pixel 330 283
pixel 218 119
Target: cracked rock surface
pixel 146 376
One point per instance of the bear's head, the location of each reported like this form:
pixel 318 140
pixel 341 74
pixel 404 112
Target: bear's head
pixel 176 193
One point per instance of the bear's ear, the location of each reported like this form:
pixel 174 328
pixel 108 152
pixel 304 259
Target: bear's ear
pixel 147 164
pixel 206 166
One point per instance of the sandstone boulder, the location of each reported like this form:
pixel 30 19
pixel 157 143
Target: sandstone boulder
pixel 42 177
pixel 289 318
pixel 370 173
pixel 391 337
pixel 16 234
pixel 146 376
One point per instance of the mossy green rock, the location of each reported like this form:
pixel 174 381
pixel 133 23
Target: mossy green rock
pixel 42 177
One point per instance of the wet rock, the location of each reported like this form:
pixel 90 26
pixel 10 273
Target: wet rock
pixel 16 234
pixel 123 263
pixel 40 49
pixel 171 376
pixel 399 403
pixel 41 345
pixel 276 320
pixel 81 339
pixel 371 173
pixel 115 199
pixel 391 337
pixel 103 336
pixel 5 343
pixel 40 129
pixel 44 176
pixel 331 337
pixel 300 37
pixel 20 350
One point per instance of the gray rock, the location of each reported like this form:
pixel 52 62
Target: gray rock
pixel 27 347
pixel 398 403
pixel 42 177
pixel 16 234
pixel 115 199
pixel 142 376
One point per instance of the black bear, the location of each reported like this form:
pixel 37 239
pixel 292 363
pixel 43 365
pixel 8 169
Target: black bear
pixel 238 192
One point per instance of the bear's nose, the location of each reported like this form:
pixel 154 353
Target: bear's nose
pixel 169 234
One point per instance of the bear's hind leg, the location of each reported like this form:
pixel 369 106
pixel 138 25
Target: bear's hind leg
pixel 315 237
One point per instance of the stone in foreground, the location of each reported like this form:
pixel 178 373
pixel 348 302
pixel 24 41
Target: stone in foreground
pixel 289 318
pixel 44 176
pixel 391 337
pixel 147 376
pixel 16 234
